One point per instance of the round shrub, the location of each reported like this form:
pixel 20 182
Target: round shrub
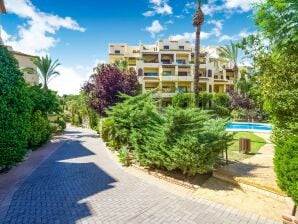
pixel 286 166
pixel 14 111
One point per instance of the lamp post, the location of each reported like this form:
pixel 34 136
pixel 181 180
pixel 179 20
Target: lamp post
pixel 198 20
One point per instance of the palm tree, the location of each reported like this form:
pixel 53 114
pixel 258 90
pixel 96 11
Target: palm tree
pixel 230 52
pixel 198 20
pixel 46 69
pixel 122 65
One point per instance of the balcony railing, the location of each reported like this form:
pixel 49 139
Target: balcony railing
pixel 150 74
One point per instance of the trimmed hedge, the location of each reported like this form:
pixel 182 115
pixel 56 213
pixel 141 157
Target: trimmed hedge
pixel 15 109
pixel 286 166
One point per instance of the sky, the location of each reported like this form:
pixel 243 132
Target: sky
pixel 77 33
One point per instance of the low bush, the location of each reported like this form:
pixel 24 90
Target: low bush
pixel 123 156
pixel 286 166
pixel 39 131
pixel 184 100
pixel 192 140
pixel 181 139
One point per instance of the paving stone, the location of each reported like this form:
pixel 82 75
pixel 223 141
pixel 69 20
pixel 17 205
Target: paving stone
pixel 79 183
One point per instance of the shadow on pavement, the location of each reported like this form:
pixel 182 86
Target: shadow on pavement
pixel 55 192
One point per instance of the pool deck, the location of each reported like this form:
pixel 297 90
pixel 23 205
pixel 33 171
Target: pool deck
pixel 256 171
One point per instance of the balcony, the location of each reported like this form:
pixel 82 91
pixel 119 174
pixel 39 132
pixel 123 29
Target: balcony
pixel 151 74
pixel 177 78
pixel 143 64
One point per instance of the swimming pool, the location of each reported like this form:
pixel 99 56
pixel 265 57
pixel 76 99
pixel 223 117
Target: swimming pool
pixel 253 127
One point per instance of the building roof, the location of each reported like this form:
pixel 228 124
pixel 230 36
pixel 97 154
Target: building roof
pixel 2 7
pixel 22 54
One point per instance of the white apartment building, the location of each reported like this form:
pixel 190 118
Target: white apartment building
pixel 168 66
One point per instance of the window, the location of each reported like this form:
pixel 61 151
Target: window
pixel 166 47
pixel 182 73
pixel 209 73
pixel 181 47
pixel 180 61
pixel 167 73
pixel 117 51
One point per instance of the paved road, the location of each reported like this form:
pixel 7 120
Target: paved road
pixel 79 183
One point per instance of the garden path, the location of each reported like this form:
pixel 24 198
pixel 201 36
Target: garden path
pixel 80 183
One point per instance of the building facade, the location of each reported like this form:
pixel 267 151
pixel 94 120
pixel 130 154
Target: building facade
pixel 168 66
pixel 27 66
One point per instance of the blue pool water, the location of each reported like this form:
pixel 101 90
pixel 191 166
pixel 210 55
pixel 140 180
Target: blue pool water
pixel 237 126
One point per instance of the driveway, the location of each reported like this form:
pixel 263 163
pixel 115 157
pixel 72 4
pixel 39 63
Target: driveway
pixel 80 183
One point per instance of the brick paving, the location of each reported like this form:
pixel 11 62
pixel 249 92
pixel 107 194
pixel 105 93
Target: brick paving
pixel 79 183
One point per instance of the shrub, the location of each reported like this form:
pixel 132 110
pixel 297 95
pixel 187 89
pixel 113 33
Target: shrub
pixel 15 107
pixel 61 124
pixel 192 140
pixel 39 131
pixel 183 100
pixel 205 99
pixel 182 139
pixel 131 118
pixel 123 156
pixel 286 166
pixel 221 104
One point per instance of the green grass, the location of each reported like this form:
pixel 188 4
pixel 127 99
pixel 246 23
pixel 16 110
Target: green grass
pixel 256 144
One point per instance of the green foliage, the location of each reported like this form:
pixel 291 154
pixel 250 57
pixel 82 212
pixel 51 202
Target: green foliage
pixel 23 112
pixel 182 139
pixel 131 118
pixel 45 101
pixel 221 104
pixel 183 100
pixel 286 166
pixel 14 111
pixel 47 69
pixel 205 99
pixel 39 131
pixel 78 112
pixel 123 155
pixel 192 140
pixel 274 52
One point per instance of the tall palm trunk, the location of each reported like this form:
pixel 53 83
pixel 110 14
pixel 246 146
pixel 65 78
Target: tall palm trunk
pixel 197 22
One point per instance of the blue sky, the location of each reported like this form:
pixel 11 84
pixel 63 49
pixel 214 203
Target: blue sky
pixel 78 32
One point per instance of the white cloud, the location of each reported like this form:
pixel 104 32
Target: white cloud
pixel 159 7
pixel 238 36
pixel 215 31
pixel 228 6
pixel 189 6
pixel 244 6
pixel 72 79
pixel 189 36
pixel 155 28
pixel 37 35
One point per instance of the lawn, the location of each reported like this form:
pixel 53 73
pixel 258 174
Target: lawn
pixel 256 143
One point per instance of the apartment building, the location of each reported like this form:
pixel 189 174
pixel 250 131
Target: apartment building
pixel 168 66
pixel 25 61
pixel 27 66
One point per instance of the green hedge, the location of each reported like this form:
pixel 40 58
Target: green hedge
pixel 39 131
pixel 15 107
pixel 286 166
